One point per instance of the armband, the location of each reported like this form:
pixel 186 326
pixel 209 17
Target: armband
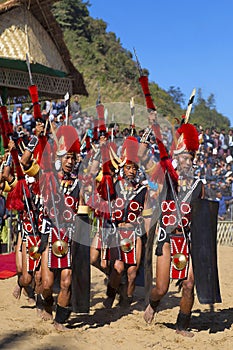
pixel 151 169
pixel 7 187
pixel 97 155
pixel 83 210
pixel 32 144
pixel 145 136
pixel 33 170
pixel 9 160
pixel 2 167
pixel 13 183
pixel 147 212
pixel 99 176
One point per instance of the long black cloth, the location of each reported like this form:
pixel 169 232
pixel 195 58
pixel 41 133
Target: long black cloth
pixel 204 250
pixel 80 287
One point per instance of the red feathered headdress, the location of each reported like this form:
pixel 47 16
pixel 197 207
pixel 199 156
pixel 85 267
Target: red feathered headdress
pixel 106 186
pixel 15 196
pixel 130 150
pixel 188 141
pixel 68 141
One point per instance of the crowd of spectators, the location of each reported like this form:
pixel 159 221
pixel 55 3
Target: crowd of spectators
pixel 213 162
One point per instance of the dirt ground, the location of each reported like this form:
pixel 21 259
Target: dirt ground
pixel 121 328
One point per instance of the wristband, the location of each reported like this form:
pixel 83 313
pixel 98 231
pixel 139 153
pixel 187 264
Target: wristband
pixel 32 144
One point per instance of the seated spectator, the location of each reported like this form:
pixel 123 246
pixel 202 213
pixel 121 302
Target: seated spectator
pixel 211 190
pixel 223 139
pixel 208 141
pixel 225 189
pixel 229 141
pixel 208 172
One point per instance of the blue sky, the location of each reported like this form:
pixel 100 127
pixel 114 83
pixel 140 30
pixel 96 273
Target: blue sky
pixel 182 43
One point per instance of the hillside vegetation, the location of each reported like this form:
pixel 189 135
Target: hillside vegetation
pixel 100 57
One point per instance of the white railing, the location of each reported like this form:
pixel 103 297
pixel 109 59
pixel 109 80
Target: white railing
pixel 225 233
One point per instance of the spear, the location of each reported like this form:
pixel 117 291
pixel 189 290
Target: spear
pixel 179 214
pixel 98 101
pixel 106 116
pixel 143 80
pixel 138 63
pixel 29 69
pixel 34 249
pixel 54 209
pixel 185 118
pixel 28 210
pixel 67 98
pixel 132 110
pixel 33 90
pixel 190 104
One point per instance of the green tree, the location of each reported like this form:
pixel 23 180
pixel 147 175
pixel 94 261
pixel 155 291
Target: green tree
pixel 211 101
pixel 100 57
pixel 177 95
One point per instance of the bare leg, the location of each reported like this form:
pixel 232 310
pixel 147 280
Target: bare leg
pixel 132 270
pixel 115 277
pixel 26 277
pixel 114 282
pixel 47 284
pixel 18 260
pixel 18 254
pixel 38 291
pixel 64 295
pixel 162 283
pixel 186 305
pixel 63 311
pixel 38 282
pixel 95 260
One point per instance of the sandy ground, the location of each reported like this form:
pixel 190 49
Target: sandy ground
pixel 118 328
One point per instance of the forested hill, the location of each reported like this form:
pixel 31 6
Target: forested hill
pixel 100 57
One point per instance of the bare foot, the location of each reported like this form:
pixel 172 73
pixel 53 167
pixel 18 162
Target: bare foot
pixel 185 333
pixel 149 314
pixel 31 301
pixel 17 292
pixel 46 316
pixel 39 312
pixel 60 327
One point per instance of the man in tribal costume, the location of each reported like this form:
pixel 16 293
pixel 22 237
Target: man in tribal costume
pixel 127 223
pixel 178 196
pixel 27 259
pixel 63 205
pixel 188 222
pixel 30 222
pixel 92 178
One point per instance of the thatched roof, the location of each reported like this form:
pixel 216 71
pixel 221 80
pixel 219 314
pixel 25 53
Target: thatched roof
pixel 28 26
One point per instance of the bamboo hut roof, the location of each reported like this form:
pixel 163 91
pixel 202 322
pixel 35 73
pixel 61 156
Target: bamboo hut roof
pixel 29 27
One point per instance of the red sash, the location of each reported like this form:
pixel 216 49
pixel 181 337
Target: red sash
pixel 54 261
pixel 179 257
pixel 32 263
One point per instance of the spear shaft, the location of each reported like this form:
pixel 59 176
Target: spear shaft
pixel 28 210
pixel 29 69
